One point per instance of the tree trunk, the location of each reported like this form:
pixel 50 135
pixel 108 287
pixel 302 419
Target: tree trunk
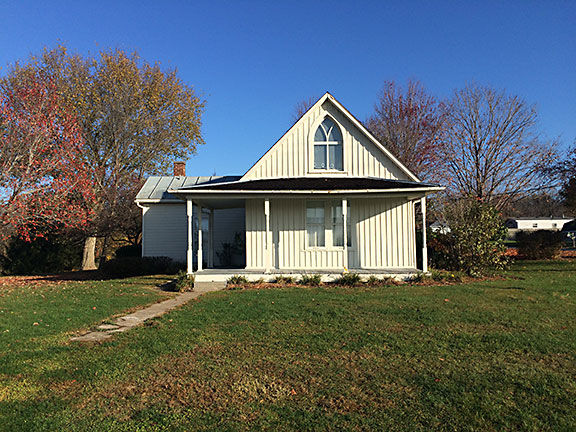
pixel 88 259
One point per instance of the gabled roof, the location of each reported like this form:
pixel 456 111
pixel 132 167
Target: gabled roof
pixel 156 188
pixel 358 124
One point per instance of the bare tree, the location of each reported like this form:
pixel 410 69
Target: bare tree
pixel 492 151
pixel 546 203
pixel 301 107
pixel 564 171
pixel 410 123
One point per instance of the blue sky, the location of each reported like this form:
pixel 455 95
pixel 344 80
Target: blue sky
pixel 253 60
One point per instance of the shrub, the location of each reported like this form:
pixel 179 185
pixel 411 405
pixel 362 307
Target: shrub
pixel 442 251
pixel 475 243
pixel 45 255
pixel 417 278
pixel 184 281
pixel 284 280
pixel 540 244
pixel 310 280
pixel 129 251
pixel 445 276
pixel 349 279
pixel 237 280
pixel 138 266
pixel 383 281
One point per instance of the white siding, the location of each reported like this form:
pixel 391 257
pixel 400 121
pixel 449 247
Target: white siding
pixel 385 232
pixel 290 157
pixel 164 231
pixel 545 224
pixel 383 236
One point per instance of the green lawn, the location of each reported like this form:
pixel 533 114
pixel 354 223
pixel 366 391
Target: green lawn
pixel 498 355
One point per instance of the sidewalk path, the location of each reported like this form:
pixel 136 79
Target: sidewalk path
pixel 134 319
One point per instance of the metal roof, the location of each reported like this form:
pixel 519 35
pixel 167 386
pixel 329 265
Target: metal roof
pixel 156 187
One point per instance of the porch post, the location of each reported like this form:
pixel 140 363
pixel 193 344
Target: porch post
pixel 199 216
pixel 268 251
pixel 424 247
pixel 189 251
pixel 345 221
pixel 211 239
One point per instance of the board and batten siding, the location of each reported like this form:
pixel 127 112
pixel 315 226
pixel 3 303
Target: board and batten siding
pixel 383 236
pixel 165 232
pixel 292 155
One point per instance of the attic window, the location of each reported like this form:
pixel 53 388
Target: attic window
pixel 328 146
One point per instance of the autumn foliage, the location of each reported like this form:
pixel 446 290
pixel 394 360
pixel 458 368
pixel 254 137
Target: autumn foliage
pixel 43 184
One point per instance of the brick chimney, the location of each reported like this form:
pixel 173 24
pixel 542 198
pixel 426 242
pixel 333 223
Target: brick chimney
pixel 179 169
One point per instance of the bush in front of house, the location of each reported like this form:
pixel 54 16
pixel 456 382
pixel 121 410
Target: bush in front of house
pixel 475 244
pixel 310 279
pixel 376 281
pixel 129 251
pixel 540 244
pixel 284 280
pixel 442 251
pixel 124 267
pixel 237 280
pixel 349 279
pixel 184 281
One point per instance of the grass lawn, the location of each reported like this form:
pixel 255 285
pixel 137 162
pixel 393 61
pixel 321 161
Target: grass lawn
pixel 498 355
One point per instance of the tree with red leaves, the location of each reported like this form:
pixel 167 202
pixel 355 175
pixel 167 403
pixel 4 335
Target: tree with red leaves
pixel 135 118
pixel 43 184
pixel 410 123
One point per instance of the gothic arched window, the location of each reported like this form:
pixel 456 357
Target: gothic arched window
pixel 328 146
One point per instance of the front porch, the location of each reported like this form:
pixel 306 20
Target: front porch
pixel 310 226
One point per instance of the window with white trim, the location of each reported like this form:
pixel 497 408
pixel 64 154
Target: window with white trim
pixel 328 146
pixel 315 224
pixel 338 224
pixel 325 224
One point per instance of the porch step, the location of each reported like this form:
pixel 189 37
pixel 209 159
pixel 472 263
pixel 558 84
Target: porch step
pixel 200 286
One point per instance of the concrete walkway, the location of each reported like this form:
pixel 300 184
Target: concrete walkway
pixel 134 319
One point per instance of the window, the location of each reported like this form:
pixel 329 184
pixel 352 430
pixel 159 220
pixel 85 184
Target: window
pixel 328 147
pixel 325 224
pixel 338 225
pixel 315 224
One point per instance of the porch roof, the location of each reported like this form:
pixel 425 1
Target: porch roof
pixel 327 185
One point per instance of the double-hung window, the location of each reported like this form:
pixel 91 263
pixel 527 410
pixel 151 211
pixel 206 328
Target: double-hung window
pixel 328 147
pixel 325 224
pixel 315 224
pixel 338 225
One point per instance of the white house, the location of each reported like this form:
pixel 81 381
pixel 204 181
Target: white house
pixel 538 223
pixel 326 198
